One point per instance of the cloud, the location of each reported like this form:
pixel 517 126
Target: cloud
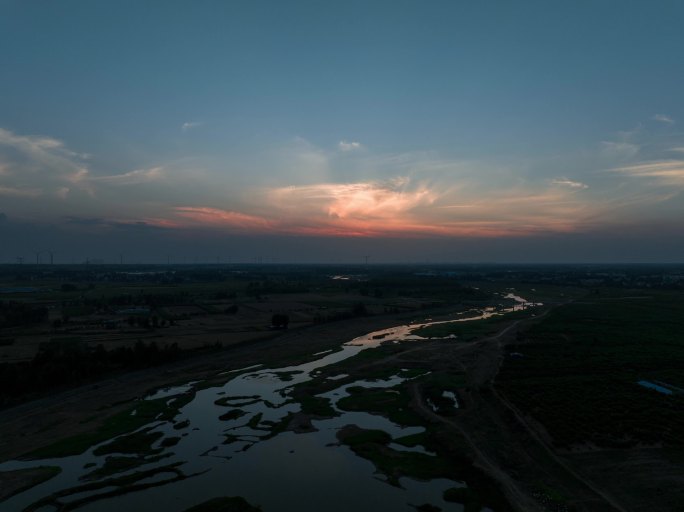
pixel 131 178
pixel 365 201
pixel 33 165
pixel 86 221
pixel 302 189
pixel 623 150
pixel 519 212
pixel 39 167
pixel 216 217
pixel 20 192
pixel 397 207
pixel 664 171
pixel 189 125
pixel 343 145
pixel 135 226
pixel 662 118
pixel 564 182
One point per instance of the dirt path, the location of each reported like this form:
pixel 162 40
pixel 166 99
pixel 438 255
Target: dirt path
pixel 515 496
pixel 502 443
pixel 533 433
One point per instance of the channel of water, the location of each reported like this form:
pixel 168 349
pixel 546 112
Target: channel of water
pixel 288 471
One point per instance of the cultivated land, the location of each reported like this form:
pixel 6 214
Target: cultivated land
pixel 550 413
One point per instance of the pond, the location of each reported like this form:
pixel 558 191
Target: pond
pixel 655 387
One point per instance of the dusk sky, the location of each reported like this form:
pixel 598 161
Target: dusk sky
pixel 311 131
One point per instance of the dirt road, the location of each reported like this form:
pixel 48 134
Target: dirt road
pixel 501 442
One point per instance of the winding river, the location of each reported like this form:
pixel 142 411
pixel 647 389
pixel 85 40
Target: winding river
pixel 244 456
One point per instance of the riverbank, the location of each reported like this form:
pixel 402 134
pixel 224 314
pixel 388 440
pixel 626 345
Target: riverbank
pixel 41 422
pixel 505 459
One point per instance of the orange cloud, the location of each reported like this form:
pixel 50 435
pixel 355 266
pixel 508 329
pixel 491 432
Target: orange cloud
pixel 215 217
pixel 353 200
pixel 393 209
pixel 400 208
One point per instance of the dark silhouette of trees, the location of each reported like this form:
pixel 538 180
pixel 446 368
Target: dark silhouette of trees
pixel 18 314
pixel 280 321
pixel 69 362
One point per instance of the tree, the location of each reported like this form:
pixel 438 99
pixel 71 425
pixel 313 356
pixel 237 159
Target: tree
pixel 359 309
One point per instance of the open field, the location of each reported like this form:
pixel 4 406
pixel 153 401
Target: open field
pixel 63 326
pixel 577 384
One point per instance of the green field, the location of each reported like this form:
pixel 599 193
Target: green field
pixel 580 366
pixel 471 330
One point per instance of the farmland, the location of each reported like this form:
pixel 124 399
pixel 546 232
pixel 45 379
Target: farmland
pixel 64 326
pixel 581 367
pixel 577 383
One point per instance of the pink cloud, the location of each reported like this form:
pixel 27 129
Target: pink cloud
pixel 393 209
pixel 215 217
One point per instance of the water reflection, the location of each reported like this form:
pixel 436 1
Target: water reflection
pixel 228 440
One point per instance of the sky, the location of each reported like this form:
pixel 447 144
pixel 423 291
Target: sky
pixel 308 131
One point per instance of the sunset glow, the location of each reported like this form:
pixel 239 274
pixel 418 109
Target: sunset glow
pixel 366 147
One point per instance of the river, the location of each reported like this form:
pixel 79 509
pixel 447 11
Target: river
pixel 243 456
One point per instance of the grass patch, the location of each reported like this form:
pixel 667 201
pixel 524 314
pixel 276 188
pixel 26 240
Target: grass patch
pixel 371 445
pixel 224 504
pixel 168 442
pixel 427 507
pixel 580 366
pixel 465 496
pixel 472 329
pixel 20 480
pixel 121 485
pixel 228 401
pixel 435 384
pixel 114 465
pixel 362 436
pixel 138 442
pixel 146 411
pixel 449 381
pixel 316 406
pixel 387 372
pixel 412 440
pixel 254 421
pixel 392 403
pixel 412 373
pixel 233 414
pixel 287 376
